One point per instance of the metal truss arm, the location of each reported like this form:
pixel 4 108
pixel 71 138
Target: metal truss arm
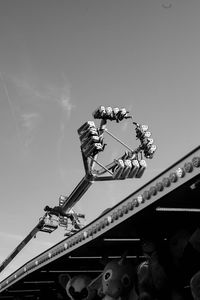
pixel 78 192
pixel 22 244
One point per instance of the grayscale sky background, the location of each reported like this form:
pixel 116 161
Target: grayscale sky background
pixel 60 60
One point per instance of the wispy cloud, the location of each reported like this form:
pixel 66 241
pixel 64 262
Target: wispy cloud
pixel 33 100
pixel 49 93
pixel 59 94
pixel 28 88
pixel 67 106
pixel 29 122
pixel 11 107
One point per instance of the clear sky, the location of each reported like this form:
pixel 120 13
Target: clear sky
pixel 60 60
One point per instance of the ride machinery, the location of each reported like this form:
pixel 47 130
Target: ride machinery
pixel 131 164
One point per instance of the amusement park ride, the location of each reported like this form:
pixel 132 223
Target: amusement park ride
pixel 165 206
pixel 131 164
